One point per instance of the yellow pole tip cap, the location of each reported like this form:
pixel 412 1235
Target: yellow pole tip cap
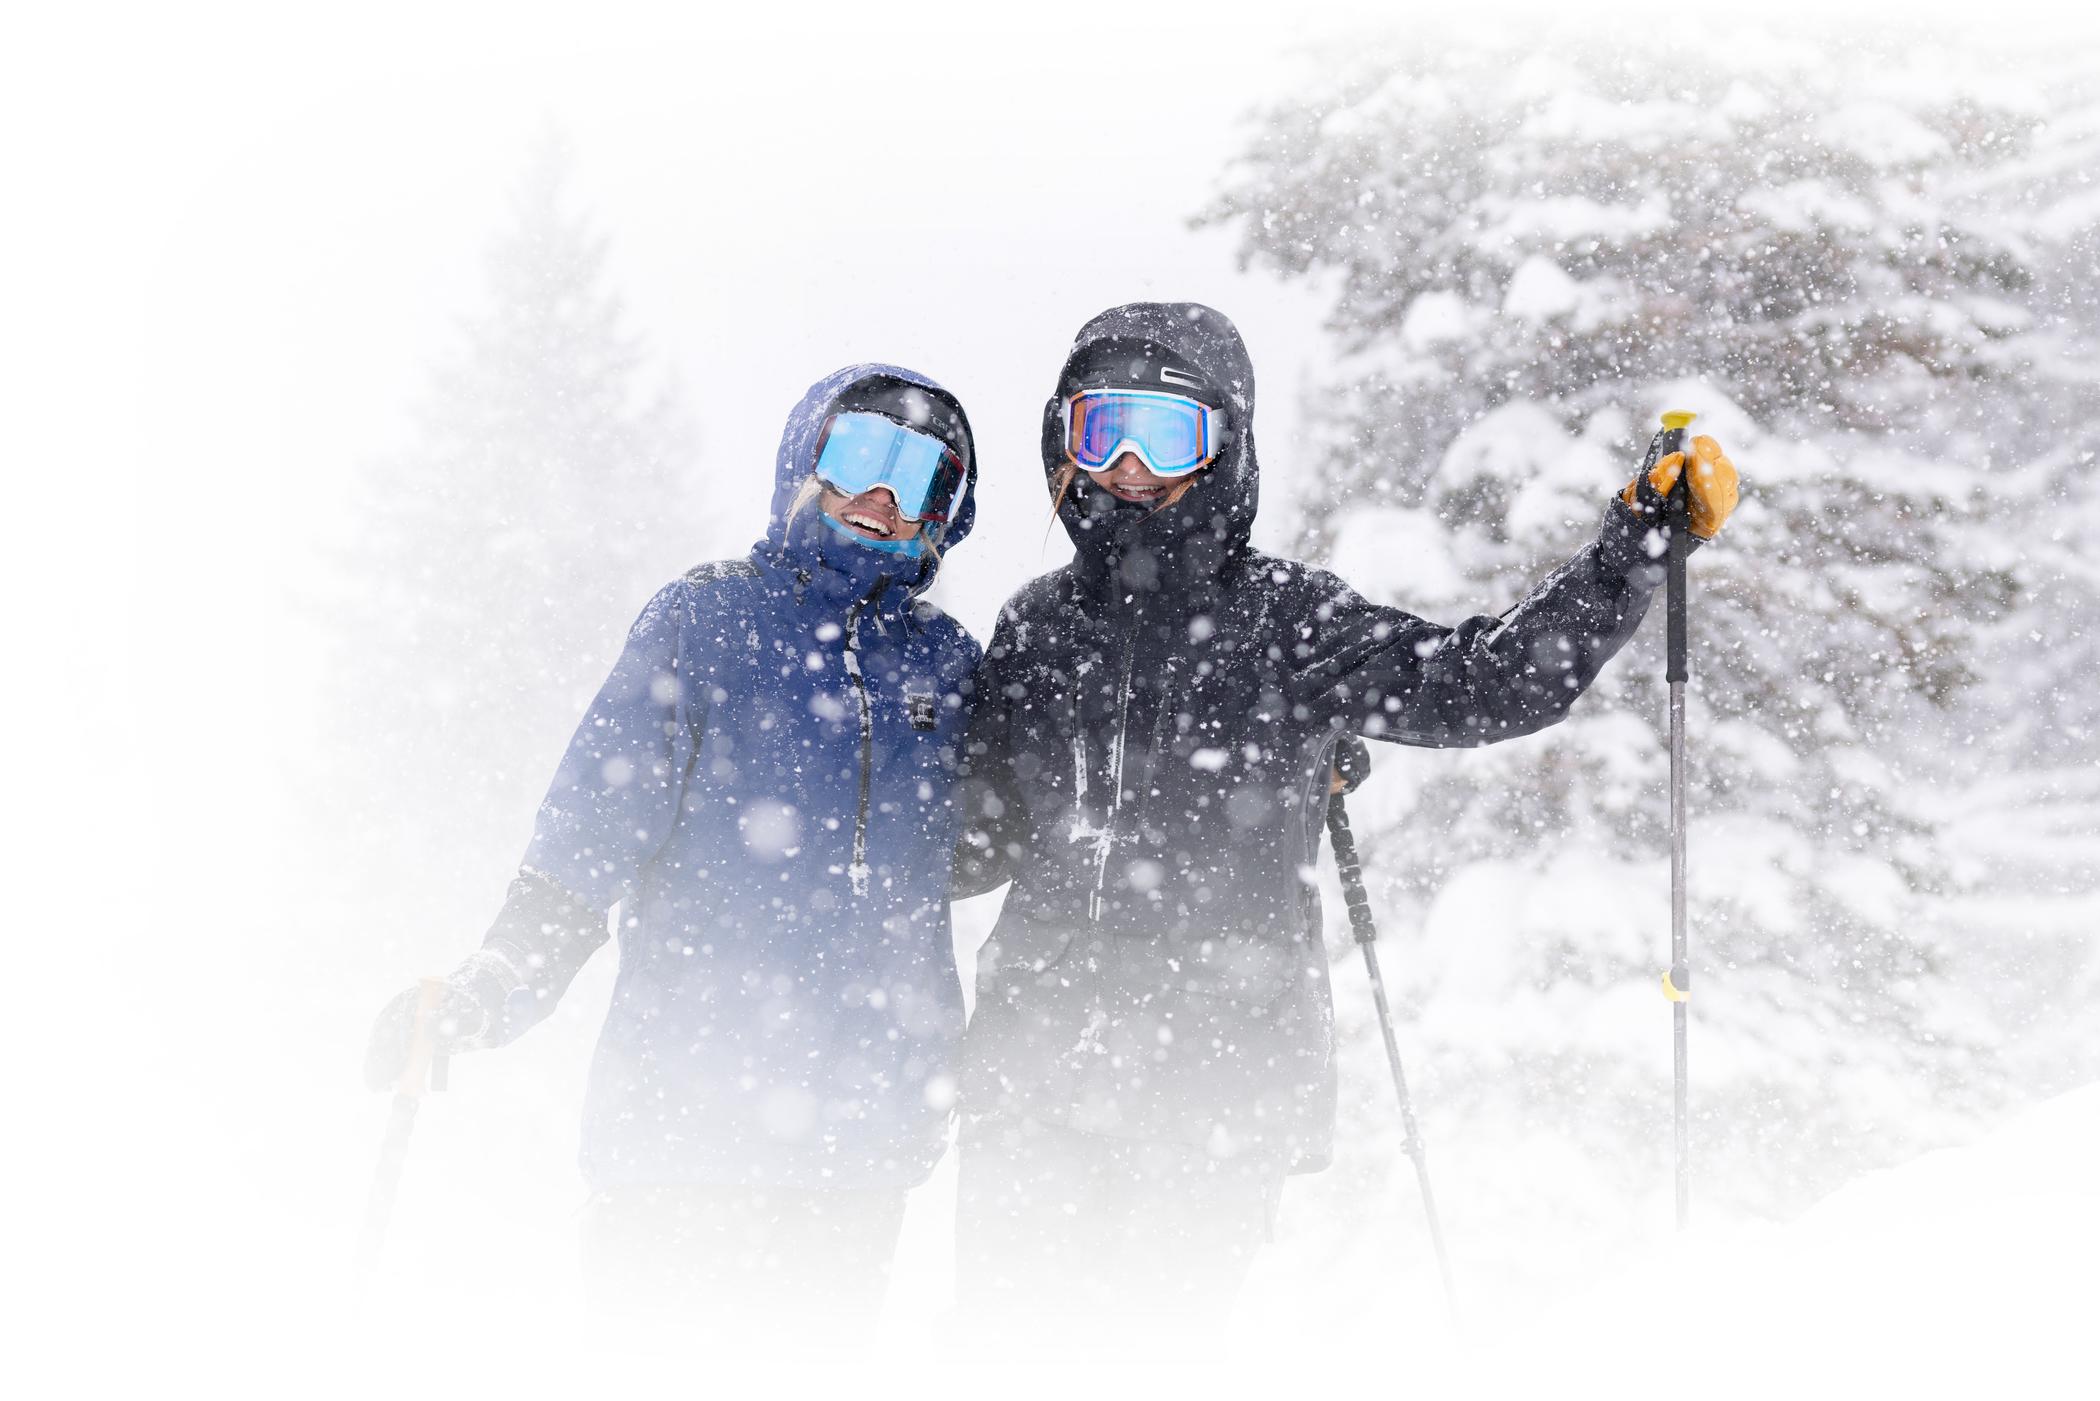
pixel 1678 418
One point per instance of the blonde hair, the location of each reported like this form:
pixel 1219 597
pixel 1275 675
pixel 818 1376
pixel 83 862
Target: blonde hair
pixel 805 496
pixel 812 489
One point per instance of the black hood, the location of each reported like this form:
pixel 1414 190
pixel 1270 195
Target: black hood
pixel 1160 345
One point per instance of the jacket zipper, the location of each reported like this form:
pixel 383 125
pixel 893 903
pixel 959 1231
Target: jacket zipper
pixel 1105 841
pixel 857 873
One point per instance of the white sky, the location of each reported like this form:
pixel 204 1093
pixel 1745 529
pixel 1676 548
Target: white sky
pixel 248 234
pixel 783 197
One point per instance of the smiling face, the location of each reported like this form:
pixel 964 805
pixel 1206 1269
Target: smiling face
pixel 1129 479
pixel 872 514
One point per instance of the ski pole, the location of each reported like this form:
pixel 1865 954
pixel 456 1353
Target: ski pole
pixel 425 1067
pixel 1351 766
pixel 1677 982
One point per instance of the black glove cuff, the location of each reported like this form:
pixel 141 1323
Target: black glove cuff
pixel 1636 545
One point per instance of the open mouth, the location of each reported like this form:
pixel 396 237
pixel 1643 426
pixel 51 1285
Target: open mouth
pixel 1136 493
pixel 867 525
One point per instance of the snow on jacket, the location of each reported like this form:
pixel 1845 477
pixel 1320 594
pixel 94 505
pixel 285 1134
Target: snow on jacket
pixel 1148 764
pixel 766 785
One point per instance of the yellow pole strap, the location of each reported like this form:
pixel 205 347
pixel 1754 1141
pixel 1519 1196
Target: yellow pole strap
pixel 422 1045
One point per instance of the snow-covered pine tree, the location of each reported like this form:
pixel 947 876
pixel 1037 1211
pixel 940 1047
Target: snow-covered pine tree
pixel 493 569
pixel 2029 864
pixel 2049 199
pixel 1530 254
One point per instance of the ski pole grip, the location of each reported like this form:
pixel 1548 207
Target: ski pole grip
pixel 1352 764
pixel 1679 517
pixel 424 1062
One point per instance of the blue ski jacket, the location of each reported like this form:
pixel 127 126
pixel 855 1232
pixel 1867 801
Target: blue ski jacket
pixel 765 786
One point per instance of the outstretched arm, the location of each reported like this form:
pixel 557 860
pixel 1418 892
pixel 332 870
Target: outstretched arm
pixel 1391 675
pixel 1386 673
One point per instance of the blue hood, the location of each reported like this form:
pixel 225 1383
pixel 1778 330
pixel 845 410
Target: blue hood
pixel 797 458
pixel 765 783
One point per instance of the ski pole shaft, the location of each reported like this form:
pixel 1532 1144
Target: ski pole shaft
pixel 1415 1148
pixel 1350 868
pixel 423 1066
pixel 1677 984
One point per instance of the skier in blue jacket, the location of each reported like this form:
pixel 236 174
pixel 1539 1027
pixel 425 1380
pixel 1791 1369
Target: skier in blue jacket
pixel 764 786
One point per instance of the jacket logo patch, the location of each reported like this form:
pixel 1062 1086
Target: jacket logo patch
pixel 919 705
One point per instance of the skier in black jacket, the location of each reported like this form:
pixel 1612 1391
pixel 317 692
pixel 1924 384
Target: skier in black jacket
pixel 1153 1045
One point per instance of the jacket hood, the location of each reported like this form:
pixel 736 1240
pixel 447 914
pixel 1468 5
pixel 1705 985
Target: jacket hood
pixel 797 458
pixel 1149 547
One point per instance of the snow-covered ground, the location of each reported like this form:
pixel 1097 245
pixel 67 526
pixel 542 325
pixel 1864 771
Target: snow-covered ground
pixel 1968 1271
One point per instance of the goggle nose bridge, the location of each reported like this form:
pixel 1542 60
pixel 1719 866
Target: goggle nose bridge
pixel 1134 448
pixel 895 500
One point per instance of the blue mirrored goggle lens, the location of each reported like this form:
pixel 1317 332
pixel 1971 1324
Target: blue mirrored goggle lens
pixel 1171 432
pixel 865 450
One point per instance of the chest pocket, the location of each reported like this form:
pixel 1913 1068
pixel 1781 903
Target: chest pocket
pixel 913 714
pixel 922 706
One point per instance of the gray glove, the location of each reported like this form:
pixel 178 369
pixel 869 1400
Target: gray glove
pixel 540 940
pixel 468 1012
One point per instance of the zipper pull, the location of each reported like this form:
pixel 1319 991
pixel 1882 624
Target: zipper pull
pixel 874 598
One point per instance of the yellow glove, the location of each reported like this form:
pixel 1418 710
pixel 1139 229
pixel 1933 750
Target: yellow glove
pixel 1713 492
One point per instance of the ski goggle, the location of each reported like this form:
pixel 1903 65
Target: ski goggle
pixel 1171 433
pixel 861 451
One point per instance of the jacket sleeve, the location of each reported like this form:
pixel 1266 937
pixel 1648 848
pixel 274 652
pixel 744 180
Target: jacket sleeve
pixel 618 791
pixel 540 941
pixel 1390 675
pixel 991 836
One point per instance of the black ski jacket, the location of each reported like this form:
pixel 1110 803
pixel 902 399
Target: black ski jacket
pixel 1147 762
